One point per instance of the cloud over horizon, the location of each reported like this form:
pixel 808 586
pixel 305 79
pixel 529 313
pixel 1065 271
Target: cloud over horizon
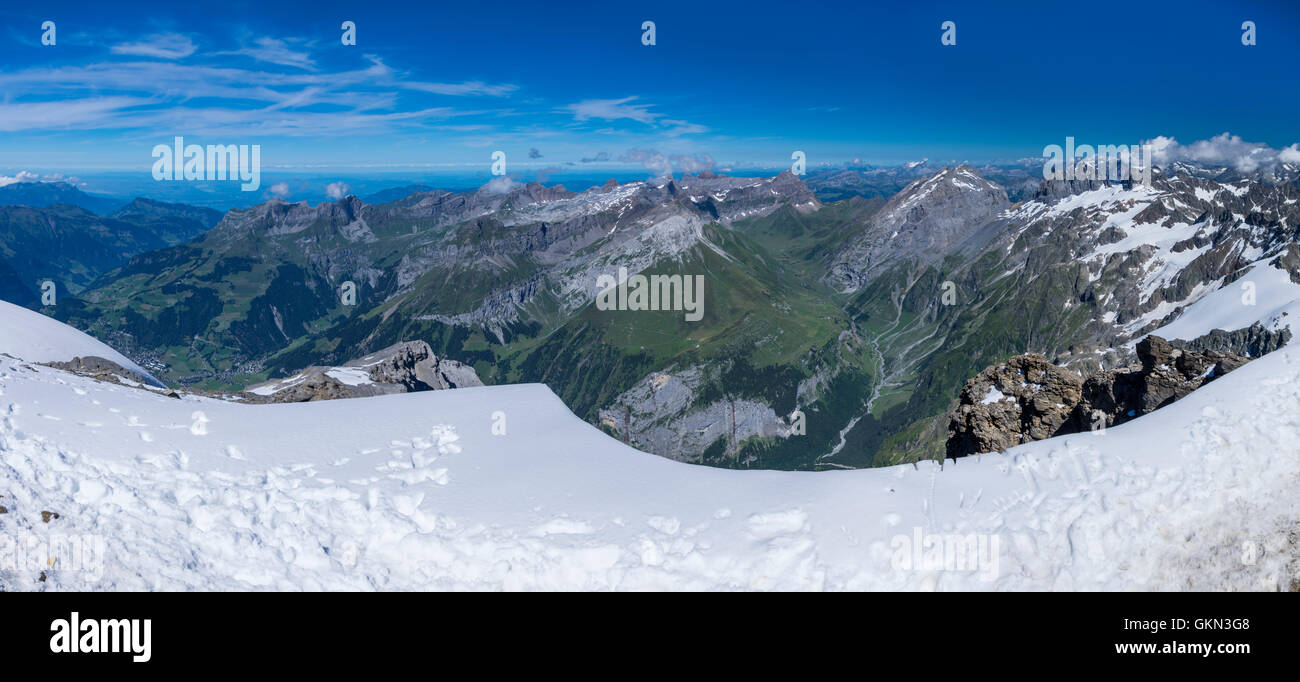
pixel 1224 149
pixel 334 190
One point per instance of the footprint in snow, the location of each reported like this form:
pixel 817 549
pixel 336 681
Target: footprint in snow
pixel 446 437
pixel 200 425
pixel 769 525
pixel 668 525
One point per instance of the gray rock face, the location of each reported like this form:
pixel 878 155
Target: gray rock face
pixel 1027 398
pixel 662 414
pixel 925 221
pixel 413 366
pixel 1252 342
pixel 401 368
pixel 1051 190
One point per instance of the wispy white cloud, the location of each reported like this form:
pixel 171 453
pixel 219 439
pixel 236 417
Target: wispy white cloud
pixel 160 45
pixel 462 89
pixel 629 108
pixel 277 51
pixel 162 94
pixel 612 110
pixel 85 114
pixel 675 128
pixel 163 84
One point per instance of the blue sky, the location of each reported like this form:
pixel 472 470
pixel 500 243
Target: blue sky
pixel 439 85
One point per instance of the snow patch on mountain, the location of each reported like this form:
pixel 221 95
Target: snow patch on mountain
pixel 1273 301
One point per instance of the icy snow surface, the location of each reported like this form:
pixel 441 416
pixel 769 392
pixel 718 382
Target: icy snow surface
pixel 34 337
pixel 413 491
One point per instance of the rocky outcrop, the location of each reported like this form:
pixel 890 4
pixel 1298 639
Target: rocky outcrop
pixel 100 369
pixel 1252 341
pixel 1027 398
pixel 1024 399
pixel 413 366
pixel 401 368
pixel 1167 373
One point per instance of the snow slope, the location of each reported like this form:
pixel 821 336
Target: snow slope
pixel 31 336
pixel 1275 304
pixel 414 491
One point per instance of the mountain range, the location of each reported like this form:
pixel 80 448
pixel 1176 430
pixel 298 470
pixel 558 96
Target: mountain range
pixel 70 245
pixel 843 311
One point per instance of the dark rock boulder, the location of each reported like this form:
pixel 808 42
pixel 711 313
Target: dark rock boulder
pixel 1027 398
pixel 1167 373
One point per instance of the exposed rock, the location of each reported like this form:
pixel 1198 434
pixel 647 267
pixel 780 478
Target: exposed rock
pixel 663 414
pixel 926 219
pixel 1167 374
pixel 414 366
pixel 1028 398
pixel 106 370
pixel 401 368
pixel 1253 341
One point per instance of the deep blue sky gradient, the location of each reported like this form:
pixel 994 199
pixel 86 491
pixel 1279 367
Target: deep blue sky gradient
pixel 742 82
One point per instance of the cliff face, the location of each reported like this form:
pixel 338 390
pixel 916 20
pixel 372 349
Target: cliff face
pixel 1028 398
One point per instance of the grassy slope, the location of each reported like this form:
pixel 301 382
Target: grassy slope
pixel 769 324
